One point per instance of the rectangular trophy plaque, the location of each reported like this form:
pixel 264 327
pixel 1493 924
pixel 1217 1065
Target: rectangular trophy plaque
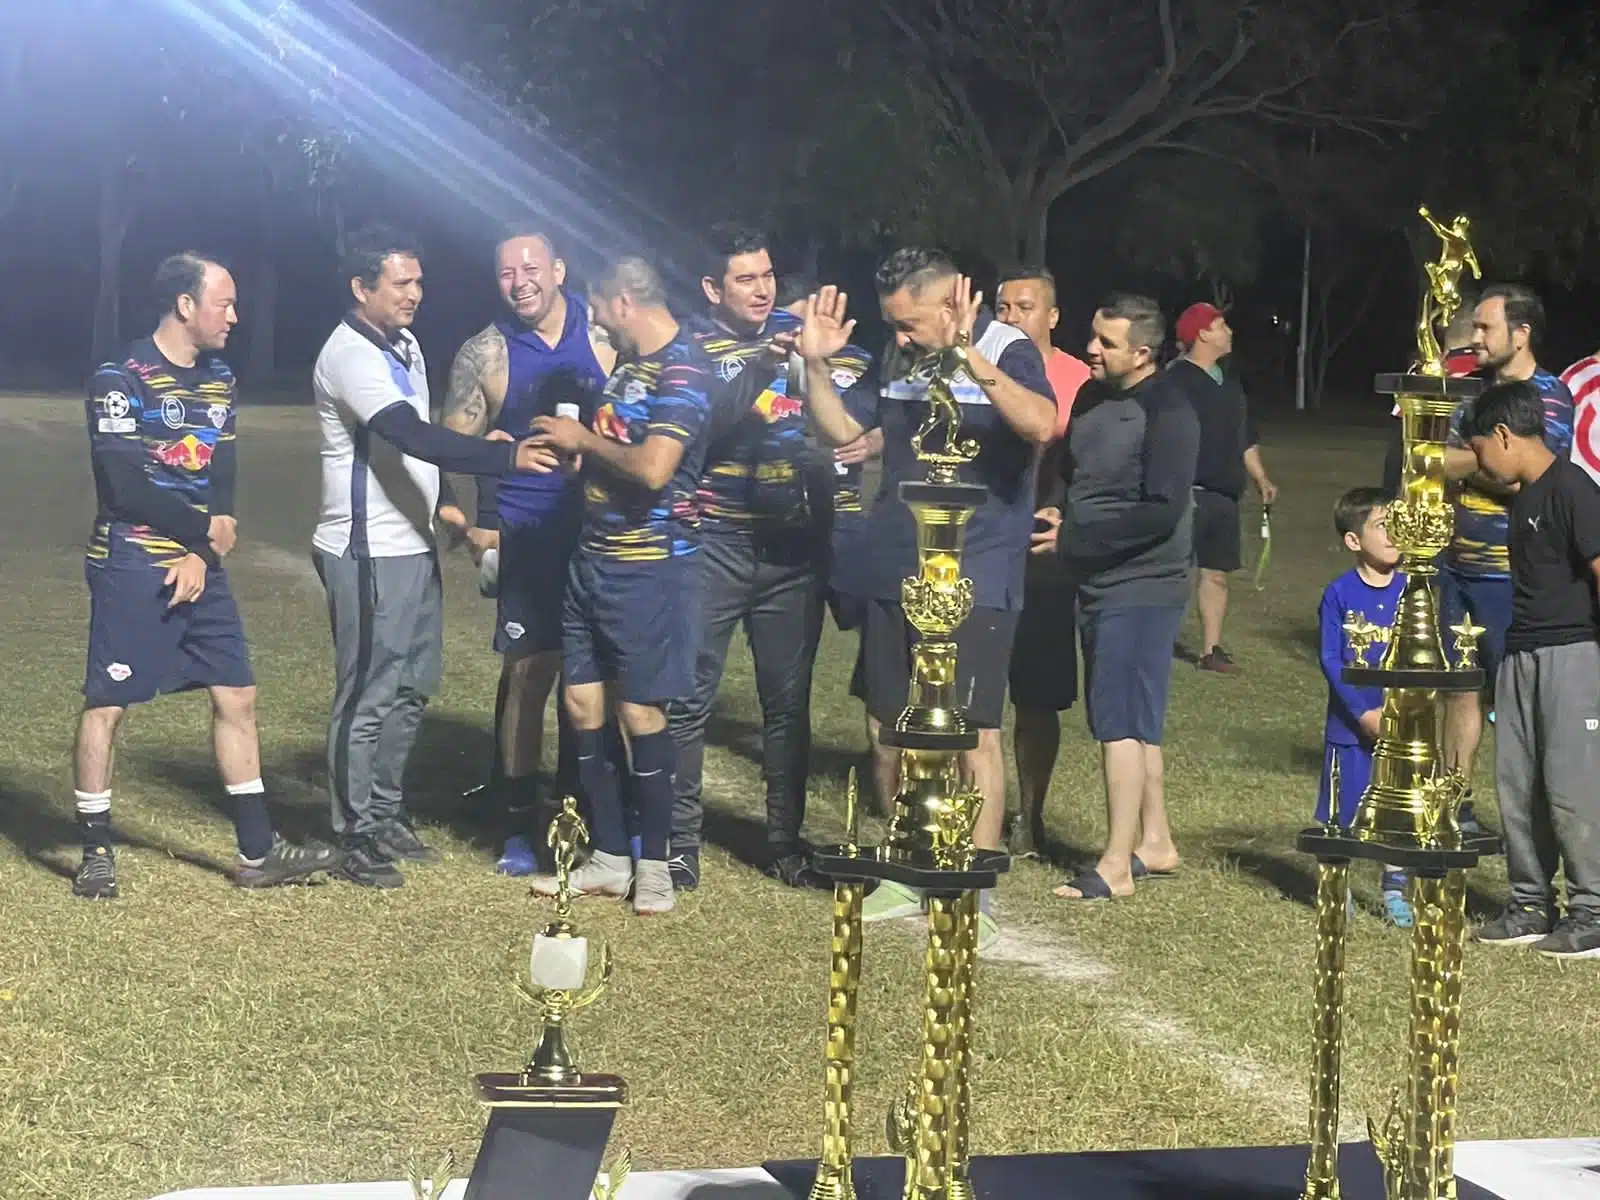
pixel 549 1146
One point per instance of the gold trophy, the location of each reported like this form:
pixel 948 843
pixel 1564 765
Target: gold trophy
pixel 550 1121
pixel 929 844
pixel 1407 815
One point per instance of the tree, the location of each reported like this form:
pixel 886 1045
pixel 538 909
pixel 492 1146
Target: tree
pixel 1042 97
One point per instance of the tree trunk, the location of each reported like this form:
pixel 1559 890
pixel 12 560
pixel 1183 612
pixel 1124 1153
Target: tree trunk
pixel 115 214
pixel 264 293
pixel 1033 230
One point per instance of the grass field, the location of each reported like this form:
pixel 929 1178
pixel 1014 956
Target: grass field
pixel 191 1034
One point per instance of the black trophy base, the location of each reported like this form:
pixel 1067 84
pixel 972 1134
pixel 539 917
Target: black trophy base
pixel 1471 679
pixel 953 495
pixel 545 1140
pixel 1338 845
pixel 1253 1173
pixel 928 739
pixel 867 863
pixel 1450 387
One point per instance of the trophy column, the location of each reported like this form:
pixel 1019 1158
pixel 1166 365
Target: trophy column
pixel 929 843
pixel 1407 815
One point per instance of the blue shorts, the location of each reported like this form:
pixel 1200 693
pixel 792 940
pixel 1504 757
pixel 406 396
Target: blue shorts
pixel 1355 772
pixel 630 624
pixel 533 582
pixel 1127 668
pixel 1489 603
pixel 140 649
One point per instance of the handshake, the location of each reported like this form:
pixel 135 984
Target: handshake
pixel 555 440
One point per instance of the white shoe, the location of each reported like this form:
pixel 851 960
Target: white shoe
pixel 653 892
pixel 603 875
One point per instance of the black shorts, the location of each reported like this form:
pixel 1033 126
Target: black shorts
pixel 1044 660
pixel 139 648
pixel 1216 531
pixel 631 624
pixel 533 584
pixel 882 677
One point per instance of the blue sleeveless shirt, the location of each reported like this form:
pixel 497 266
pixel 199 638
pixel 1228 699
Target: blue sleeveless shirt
pixel 539 378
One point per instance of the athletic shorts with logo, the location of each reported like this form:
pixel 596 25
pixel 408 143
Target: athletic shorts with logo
pixel 140 648
pixel 629 624
pixel 535 561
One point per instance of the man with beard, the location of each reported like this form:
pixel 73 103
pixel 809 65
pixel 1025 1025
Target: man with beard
pixel 1007 406
pixel 537 358
pixel 1475 579
pixel 1126 537
pixel 763 553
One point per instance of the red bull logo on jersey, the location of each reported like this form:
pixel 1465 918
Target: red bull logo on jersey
pixel 778 405
pixel 609 424
pixel 186 454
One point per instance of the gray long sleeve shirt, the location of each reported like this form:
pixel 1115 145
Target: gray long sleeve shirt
pixel 1127 526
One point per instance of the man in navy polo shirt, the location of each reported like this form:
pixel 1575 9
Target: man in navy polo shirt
pixel 1008 406
pixel 537 358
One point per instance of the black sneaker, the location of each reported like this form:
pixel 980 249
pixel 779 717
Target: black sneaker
pixel 96 878
pixel 396 838
pixel 364 863
pixel 288 863
pixel 685 870
pixel 1574 937
pixel 1517 925
pixel 792 868
pixel 1467 818
pixel 1219 662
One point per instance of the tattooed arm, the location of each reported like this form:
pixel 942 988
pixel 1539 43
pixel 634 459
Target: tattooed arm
pixel 472 403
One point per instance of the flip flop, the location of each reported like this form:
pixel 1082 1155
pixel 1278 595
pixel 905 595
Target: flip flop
pixel 1140 871
pixel 1089 886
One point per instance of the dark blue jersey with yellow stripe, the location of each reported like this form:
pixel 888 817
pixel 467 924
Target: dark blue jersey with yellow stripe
pixel 162 445
pixel 655 395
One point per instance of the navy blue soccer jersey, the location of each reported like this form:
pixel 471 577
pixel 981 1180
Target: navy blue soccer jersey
pixel 162 445
pixel 655 395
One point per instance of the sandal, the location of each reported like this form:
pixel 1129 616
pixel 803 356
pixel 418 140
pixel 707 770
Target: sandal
pixel 1089 886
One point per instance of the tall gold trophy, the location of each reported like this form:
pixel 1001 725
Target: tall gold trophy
pixel 929 845
pixel 550 1121
pixel 1407 815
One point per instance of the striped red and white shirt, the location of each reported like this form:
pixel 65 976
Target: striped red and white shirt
pixel 1583 381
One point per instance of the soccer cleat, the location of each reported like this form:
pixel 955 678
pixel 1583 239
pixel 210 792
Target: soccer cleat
pixel 791 866
pixel 1517 925
pixel 988 933
pixel 398 839
pixel 652 888
pixel 1574 937
pixel 96 877
pixel 517 859
pixel 364 863
pixel 603 875
pixel 890 901
pixel 1219 662
pixel 685 870
pixel 287 863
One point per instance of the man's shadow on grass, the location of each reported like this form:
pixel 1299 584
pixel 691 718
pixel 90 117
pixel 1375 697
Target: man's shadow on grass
pixel 46 832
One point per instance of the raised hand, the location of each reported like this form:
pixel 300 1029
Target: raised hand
pixel 965 304
pixel 825 331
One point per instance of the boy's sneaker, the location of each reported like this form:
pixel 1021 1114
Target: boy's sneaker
pixel 96 877
pixel 364 863
pixel 1397 909
pixel 1517 925
pixel 287 863
pixel 1574 937
pixel 397 838
pixel 792 868
pixel 517 859
pixel 890 901
pixel 652 888
pixel 685 870
pixel 603 875
pixel 1218 661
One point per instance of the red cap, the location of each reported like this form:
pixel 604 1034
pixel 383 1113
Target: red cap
pixel 1196 319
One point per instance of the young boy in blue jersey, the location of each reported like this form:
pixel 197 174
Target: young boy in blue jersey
pixel 1370 589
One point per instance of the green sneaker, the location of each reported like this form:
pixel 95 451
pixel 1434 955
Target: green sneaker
pixel 891 901
pixel 988 932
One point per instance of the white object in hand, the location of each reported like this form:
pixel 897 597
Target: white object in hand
pixel 569 410
pixel 489 573
pixel 560 964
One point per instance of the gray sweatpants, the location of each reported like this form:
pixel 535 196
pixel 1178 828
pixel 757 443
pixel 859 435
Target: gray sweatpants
pixel 1547 772
pixel 388 644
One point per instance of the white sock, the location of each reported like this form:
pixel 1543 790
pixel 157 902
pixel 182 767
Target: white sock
pixel 92 803
pixel 254 788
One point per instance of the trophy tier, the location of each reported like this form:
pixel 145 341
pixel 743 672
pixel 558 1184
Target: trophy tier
pixel 949 495
pixel 838 863
pixel 1450 387
pixel 1337 846
pixel 928 739
pixel 513 1089
pixel 1469 679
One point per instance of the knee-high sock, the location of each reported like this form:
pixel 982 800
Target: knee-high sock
pixel 597 780
pixel 651 788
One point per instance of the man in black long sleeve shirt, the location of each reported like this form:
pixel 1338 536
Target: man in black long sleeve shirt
pixel 1125 537
pixel 161 436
